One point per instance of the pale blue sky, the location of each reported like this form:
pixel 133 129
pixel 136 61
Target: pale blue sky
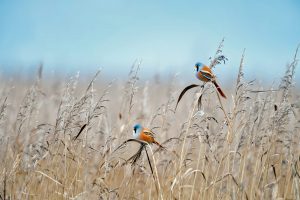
pixel 170 36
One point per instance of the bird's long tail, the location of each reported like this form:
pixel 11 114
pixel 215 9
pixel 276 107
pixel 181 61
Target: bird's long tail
pixel 158 144
pixel 219 89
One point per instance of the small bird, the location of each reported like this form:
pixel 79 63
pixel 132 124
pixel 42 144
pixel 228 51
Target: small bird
pixel 144 134
pixel 205 74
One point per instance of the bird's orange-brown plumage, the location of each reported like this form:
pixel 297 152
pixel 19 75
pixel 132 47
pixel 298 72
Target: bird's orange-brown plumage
pixel 148 136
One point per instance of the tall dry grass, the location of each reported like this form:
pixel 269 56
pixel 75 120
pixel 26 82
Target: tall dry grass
pixel 58 139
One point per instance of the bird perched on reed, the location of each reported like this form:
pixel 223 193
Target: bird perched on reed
pixel 205 74
pixel 144 134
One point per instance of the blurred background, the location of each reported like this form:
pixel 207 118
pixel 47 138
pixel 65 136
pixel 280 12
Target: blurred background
pixel 169 36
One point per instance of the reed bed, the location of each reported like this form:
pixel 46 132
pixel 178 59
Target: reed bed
pixel 58 139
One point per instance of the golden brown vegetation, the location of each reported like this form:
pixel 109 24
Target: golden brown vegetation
pixel 58 140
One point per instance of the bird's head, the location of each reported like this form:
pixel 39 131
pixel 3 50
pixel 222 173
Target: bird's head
pixel 198 66
pixel 136 130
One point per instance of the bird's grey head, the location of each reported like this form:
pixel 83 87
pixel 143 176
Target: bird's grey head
pixel 198 66
pixel 136 130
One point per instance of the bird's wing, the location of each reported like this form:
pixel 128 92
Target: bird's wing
pixel 207 74
pixel 148 132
